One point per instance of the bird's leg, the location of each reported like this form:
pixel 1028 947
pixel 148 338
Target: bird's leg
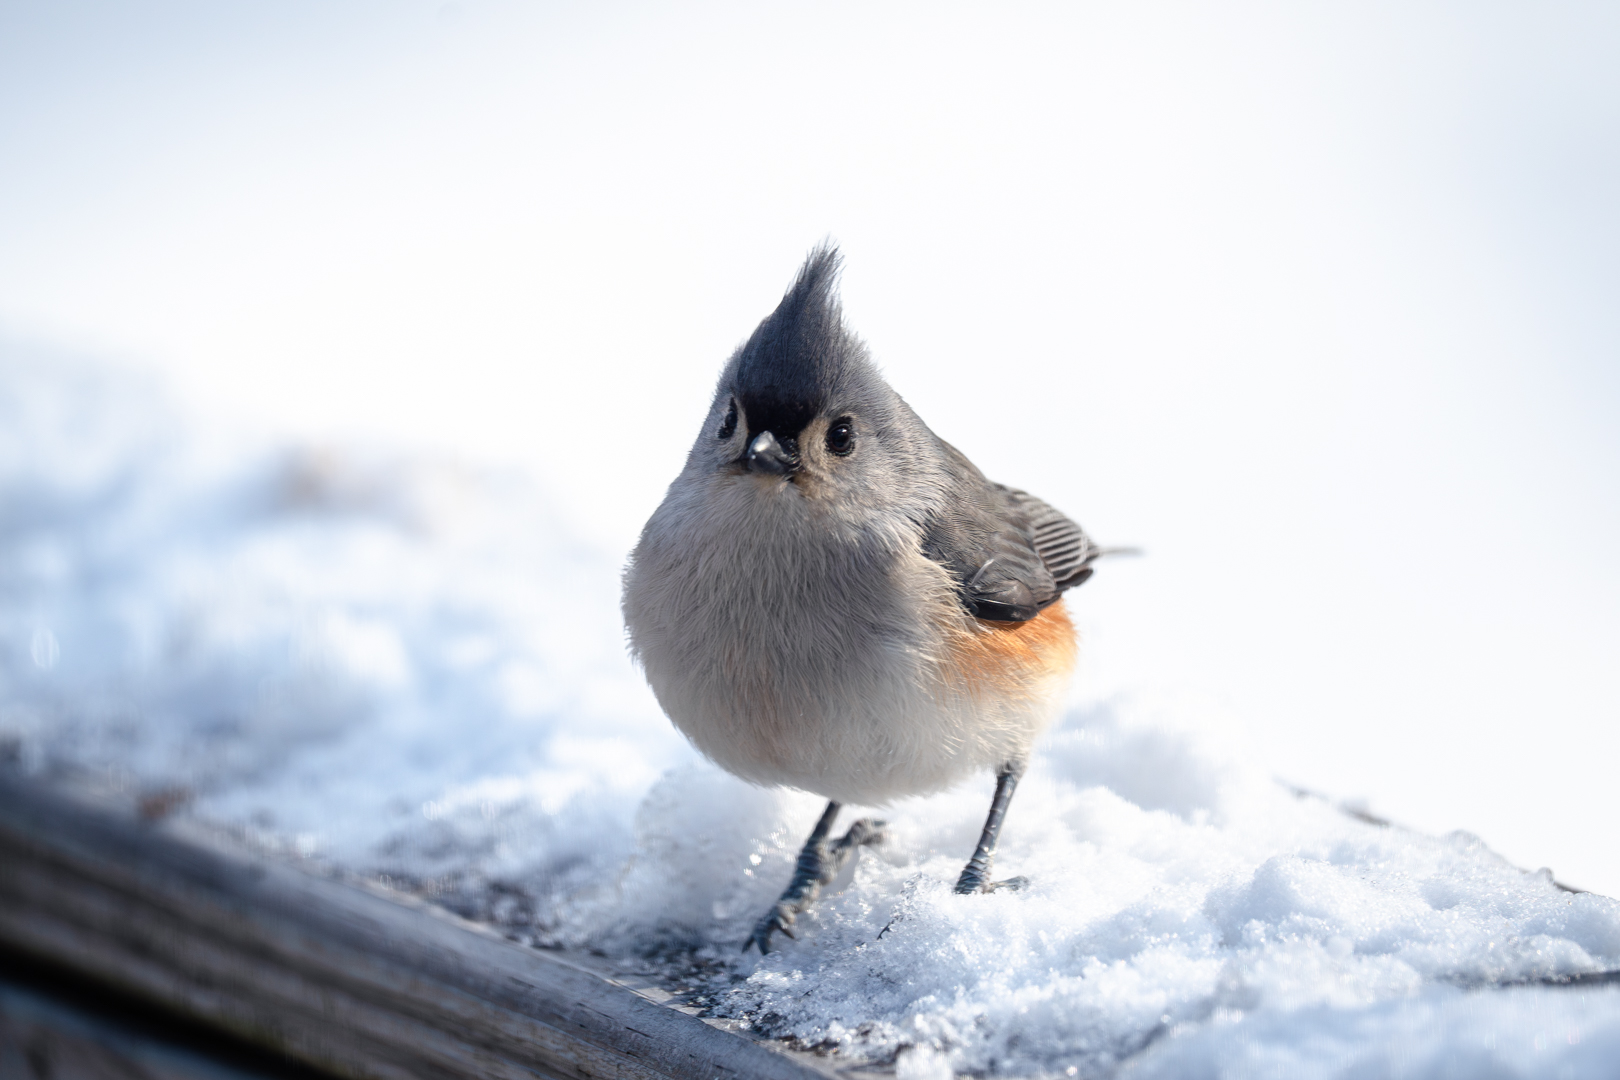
pixel 819 863
pixel 976 874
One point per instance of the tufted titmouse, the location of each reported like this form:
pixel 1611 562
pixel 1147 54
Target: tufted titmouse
pixel 834 598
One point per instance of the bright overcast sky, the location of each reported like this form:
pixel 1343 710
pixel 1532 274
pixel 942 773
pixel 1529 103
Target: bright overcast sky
pixel 1317 303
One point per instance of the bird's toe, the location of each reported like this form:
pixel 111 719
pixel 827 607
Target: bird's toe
pixel 778 921
pixel 969 884
pixel 865 832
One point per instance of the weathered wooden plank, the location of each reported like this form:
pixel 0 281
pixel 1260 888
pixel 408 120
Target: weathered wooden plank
pixel 39 1042
pixel 348 978
pixel 54 1033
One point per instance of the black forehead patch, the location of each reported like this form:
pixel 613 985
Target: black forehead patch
pixel 782 418
pixel 798 355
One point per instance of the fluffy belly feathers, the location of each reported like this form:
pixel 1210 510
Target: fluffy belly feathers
pixel 860 678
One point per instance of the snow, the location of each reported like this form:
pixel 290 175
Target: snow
pixel 409 668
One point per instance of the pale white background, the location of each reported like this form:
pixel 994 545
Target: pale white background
pixel 1317 303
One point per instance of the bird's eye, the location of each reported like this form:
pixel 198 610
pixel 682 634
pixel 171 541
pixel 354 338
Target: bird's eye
pixel 728 426
pixel 841 436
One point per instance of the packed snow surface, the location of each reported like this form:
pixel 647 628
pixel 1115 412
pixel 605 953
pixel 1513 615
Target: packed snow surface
pixel 408 669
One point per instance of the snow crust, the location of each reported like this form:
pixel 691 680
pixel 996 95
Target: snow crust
pixel 408 669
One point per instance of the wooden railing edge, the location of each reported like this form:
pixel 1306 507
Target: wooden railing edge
pixel 343 977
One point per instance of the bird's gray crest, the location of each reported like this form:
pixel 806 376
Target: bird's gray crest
pixel 799 354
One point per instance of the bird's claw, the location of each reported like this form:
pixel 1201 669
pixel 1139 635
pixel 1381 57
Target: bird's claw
pixel 818 865
pixel 779 920
pixel 866 832
pixel 971 883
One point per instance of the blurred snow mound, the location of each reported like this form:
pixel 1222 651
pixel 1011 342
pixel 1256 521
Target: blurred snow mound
pixel 408 669
pixel 1439 1034
pixel 405 666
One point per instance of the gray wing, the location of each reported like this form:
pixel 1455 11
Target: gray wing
pixel 1062 545
pixel 1011 553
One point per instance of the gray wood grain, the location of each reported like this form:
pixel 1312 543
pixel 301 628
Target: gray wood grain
pixel 46 1039
pixel 348 978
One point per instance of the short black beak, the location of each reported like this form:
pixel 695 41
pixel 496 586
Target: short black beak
pixel 766 455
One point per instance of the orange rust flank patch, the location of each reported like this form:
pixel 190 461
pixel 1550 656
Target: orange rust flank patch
pixel 1016 658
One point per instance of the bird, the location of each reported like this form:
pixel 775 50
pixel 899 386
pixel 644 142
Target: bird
pixel 831 597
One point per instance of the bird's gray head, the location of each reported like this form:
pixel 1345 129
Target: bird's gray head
pixel 801 411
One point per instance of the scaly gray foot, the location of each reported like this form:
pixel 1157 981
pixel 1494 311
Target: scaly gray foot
pixel 973 881
pixel 819 862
